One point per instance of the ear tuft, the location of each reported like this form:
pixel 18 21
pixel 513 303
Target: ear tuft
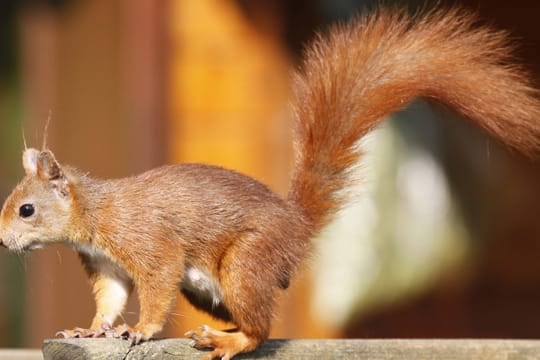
pixel 30 159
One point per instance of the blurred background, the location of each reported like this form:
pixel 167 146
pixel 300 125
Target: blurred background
pixel 443 242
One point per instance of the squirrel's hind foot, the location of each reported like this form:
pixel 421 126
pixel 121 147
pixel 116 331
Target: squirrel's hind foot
pixel 222 345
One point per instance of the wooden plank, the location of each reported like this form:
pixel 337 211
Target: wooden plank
pixel 110 349
pixel 20 354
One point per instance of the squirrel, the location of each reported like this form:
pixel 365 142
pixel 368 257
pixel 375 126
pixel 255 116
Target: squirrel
pixel 226 241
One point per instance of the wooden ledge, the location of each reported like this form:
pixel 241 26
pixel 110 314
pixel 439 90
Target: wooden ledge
pixel 20 354
pixel 110 349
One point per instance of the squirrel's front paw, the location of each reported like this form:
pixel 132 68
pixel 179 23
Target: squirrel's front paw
pixel 105 330
pixel 74 333
pixel 136 334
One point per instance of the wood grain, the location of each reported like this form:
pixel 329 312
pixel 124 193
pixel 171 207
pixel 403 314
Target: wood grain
pixel 94 349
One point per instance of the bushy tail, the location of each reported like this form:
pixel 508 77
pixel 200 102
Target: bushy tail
pixel 360 72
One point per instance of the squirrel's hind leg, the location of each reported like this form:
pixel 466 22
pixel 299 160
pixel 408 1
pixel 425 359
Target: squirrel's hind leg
pixel 248 295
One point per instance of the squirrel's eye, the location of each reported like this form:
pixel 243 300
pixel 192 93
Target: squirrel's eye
pixel 26 210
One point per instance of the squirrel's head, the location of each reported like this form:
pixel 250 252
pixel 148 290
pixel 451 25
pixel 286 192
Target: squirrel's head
pixel 38 210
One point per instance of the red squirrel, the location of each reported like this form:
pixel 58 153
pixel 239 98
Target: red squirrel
pixel 223 239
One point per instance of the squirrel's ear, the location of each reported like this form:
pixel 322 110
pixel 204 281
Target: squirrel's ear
pixel 49 169
pixel 30 158
pixel 47 166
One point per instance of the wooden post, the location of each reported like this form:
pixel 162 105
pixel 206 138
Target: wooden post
pixel 109 349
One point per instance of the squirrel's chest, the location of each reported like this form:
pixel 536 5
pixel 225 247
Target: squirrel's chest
pixel 201 288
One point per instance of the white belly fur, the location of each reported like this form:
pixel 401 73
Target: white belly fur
pixel 203 285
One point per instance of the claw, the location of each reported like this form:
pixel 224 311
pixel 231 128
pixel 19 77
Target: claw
pixel 62 333
pixel 136 336
pixel 75 333
pixel 104 330
pixel 201 338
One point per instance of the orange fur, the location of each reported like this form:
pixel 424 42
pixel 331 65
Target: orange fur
pixel 225 240
pixel 377 64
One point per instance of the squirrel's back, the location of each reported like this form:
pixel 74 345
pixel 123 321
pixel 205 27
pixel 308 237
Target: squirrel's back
pixel 197 198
